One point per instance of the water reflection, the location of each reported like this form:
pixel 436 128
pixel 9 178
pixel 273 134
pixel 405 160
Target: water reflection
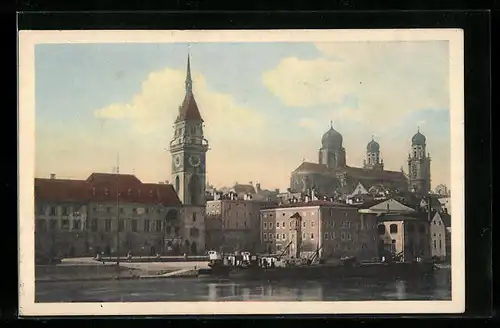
pixel 216 290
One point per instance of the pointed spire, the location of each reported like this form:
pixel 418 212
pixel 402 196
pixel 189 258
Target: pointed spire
pixel 331 124
pixel 189 81
pixel 418 129
pixel 372 137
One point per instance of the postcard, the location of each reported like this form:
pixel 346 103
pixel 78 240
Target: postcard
pixel 241 172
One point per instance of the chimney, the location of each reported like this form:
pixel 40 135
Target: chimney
pixel 52 176
pixel 257 186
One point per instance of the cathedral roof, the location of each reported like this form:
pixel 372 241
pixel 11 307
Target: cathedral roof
pixel 373 147
pixel 374 174
pixel 418 139
pixel 332 139
pixel 311 167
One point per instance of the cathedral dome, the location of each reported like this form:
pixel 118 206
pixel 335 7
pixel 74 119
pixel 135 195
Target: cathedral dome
pixel 418 139
pixel 332 139
pixel 373 147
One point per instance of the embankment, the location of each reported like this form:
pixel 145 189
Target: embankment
pixel 47 273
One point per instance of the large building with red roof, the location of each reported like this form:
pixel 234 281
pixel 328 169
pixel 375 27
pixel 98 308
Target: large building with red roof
pixel 332 177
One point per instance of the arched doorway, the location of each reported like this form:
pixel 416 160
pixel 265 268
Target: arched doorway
pixel 194 248
pixel 194 189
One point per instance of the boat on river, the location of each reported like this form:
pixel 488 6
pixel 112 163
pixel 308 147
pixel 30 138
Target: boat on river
pixel 270 267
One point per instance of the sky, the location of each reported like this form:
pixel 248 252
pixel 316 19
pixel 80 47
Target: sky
pixel 265 106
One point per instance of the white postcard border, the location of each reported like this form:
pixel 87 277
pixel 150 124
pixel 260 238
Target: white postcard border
pixel 26 129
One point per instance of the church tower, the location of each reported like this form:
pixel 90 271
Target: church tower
pixel 373 160
pixel 419 165
pixel 188 148
pixel 332 153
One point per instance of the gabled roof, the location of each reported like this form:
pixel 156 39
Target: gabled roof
pixel 96 179
pixel 311 167
pixel 446 218
pixel 388 206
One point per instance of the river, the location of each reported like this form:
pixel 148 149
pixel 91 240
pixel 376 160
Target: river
pixel 194 289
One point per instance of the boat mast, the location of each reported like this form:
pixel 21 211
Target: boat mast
pixel 118 209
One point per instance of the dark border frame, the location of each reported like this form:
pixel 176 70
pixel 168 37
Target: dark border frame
pixel 476 25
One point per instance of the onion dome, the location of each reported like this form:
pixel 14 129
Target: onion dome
pixel 332 139
pixel 418 139
pixel 373 147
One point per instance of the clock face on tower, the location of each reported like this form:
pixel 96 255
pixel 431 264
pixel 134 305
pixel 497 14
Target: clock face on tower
pixel 177 161
pixel 194 160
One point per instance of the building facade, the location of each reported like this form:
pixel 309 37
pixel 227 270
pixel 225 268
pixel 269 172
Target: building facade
pixel 110 213
pixel 332 177
pixel 328 229
pixel 440 236
pixel 233 224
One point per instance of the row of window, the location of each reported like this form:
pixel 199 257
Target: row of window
pixel 326 236
pixel 67 211
pixel 227 224
pixel 94 226
pixel 330 224
pixel 393 228
pixel 440 244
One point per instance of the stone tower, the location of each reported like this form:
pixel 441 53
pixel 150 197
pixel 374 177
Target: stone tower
pixel 332 153
pixel 373 159
pixel 419 165
pixel 188 148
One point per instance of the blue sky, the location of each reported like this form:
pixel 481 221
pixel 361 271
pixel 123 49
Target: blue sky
pixel 265 105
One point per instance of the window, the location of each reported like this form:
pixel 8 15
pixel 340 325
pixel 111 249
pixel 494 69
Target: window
pixel 326 235
pixel 283 224
pixel 52 211
pixel 312 224
pixel 277 236
pixel 283 236
pixel 265 225
pixel 134 210
pixel 282 214
pixel 107 225
pixel 342 235
pixel 312 236
pixel 440 244
pixel 146 225
pixel 65 224
pixel 304 224
pixel 245 224
pixel 333 235
pixel 158 225
pixel 434 243
pixel 64 211
pixel 76 224
pixel 349 237
pixel 265 236
pixel 381 229
pixel 93 225
pixel 134 225
pixel 121 225
pixel 303 235
pixel 277 224
pixel 393 228
pixel 331 212
pixel 53 224
pixel 439 223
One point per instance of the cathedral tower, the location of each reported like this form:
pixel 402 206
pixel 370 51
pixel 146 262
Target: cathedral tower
pixel 373 160
pixel 332 153
pixel 188 148
pixel 419 165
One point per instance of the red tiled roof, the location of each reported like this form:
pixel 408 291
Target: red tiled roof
pixel 311 167
pixel 103 187
pixel 189 109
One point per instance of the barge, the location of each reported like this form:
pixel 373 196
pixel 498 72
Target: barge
pixel 254 267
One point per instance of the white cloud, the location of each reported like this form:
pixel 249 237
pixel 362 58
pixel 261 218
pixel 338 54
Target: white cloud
pixel 389 80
